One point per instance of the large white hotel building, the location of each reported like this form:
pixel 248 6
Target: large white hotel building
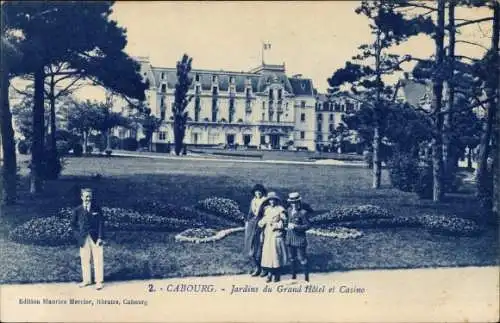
pixel 260 108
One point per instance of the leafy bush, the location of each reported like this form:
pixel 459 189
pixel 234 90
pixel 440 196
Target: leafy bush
pixel 50 231
pixel 23 147
pixel 351 213
pixel 78 150
pixel 403 172
pixel 222 207
pixel 52 166
pixel 449 225
pixel 114 142
pixel 424 184
pixel 129 144
pixel 62 147
pixel 143 142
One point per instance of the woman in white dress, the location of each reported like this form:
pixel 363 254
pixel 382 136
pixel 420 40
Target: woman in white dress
pixel 274 253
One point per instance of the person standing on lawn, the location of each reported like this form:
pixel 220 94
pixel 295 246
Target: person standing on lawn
pixel 296 240
pixel 88 225
pixel 274 253
pixel 253 234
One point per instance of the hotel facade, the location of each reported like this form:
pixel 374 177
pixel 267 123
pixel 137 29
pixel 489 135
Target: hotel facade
pixel 262 108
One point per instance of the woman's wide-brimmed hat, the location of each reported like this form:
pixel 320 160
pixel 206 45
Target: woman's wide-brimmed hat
pixel 294 197
pixel 272 196
pixel 259 187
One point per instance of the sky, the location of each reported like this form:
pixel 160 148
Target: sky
pixel 311 38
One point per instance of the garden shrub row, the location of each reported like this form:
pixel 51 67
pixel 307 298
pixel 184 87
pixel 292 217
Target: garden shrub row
pixel 351 213
pixel 370 216
pixel 222 207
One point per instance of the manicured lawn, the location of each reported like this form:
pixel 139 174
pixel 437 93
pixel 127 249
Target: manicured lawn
pixel 145 254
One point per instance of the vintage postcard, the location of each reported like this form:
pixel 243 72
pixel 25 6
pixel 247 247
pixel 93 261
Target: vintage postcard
pixel 329 161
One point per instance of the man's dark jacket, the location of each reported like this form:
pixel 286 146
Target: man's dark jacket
pixel 86 223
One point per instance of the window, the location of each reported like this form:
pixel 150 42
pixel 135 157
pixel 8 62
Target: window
pixel 197 77
pixel 198 88
pixel 302 117
pixel 331 128
pixel 270 94
pixel 162 114
pixel 163 88
pixel 320 127
pixel 231 79
pixel 320 116
pixel 247 90
pixel 303 104
pixel 302 134
pixel 280 94
pixel 215 90
pixel 214 78
pixel 262 140
pixel 162 135
pixel 263 105
pixel 319 137
pixel 162 75
pixel 331 116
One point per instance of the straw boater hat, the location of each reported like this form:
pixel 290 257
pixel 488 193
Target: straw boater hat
pixel 294 197
pixel 259 187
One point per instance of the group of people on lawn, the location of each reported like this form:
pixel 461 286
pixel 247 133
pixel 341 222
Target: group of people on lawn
pixel 274 236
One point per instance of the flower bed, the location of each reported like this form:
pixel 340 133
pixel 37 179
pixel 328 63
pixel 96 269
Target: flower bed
pixel 336 232
pixel 56 230
pixel 449 225
pixel 204 235
pixel 351 213
pixel 222 207
pixel 399 221
pixel 51 231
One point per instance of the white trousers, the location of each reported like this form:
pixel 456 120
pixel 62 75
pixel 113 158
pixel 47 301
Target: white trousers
pixel 91 250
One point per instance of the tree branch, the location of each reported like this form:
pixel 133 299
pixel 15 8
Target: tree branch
pixel 20 92
pixel 470 22
pixel 66 89
pixel 467 57
pixel 418 5
pixel 472 43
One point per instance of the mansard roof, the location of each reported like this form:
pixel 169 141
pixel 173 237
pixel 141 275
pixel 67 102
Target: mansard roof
pixel 301 86
pixel 259 81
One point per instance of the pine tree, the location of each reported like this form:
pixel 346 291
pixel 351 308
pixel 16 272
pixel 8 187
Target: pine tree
pixel 388 27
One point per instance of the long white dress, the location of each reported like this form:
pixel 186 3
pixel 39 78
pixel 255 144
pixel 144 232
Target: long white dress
pixel 274 254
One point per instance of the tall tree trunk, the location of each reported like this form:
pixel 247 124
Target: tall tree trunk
pixel 448 154
pixel 52 117
pixel 469 157
pixel 437 97
pixel 484 185
pixel 377 164
pixel 38 133
pixel 108 139
pixel 8 152
pixel 85 141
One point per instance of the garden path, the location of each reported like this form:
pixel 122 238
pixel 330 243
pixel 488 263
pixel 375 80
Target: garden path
pixel 443 294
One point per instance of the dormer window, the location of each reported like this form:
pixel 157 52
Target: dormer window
pixel 214 78
pixel 197 77
pixel 163 88
pixel 231 80
pixel 162 75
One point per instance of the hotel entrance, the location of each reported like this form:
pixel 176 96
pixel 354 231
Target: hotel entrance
pixel 274 140
pixel 230 139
